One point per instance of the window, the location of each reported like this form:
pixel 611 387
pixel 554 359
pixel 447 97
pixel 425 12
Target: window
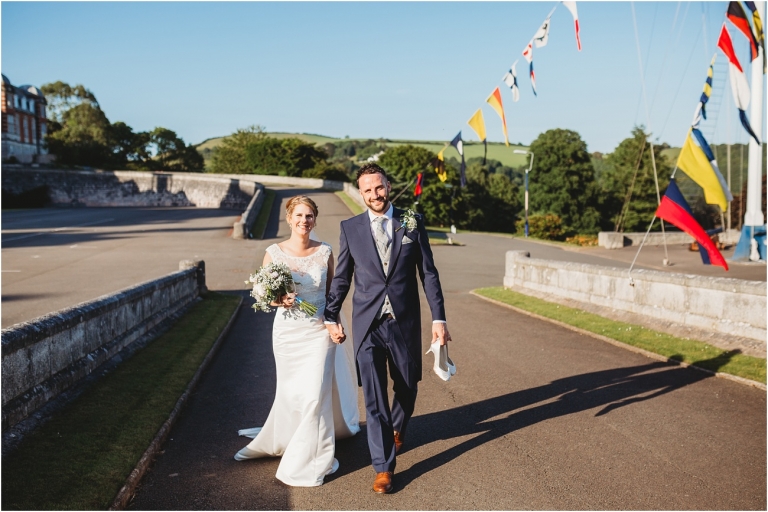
pixel 12 125
pixel 16 101
pixel 24 129
pixel 31 105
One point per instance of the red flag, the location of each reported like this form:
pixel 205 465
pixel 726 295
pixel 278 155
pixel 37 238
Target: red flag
pixel 417 188
pixel 738 17
pixel 675 210
pixel 725 44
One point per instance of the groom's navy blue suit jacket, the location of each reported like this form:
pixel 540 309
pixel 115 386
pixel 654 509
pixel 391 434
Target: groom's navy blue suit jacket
pixel 358 257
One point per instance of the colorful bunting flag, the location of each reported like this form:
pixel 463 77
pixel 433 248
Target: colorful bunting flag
pixel 439 164
pixel 459 145
pixel 494 100
pixel 571 6
pixel 704 145
pixel 510 78
pixel 675 210
pixel 706 93
pixel 541 38
pixel 738 17
pixel 417 189
pixel 757 27
pixel 739 85
pixel 477 123
pixel 528 54
pixel 695 164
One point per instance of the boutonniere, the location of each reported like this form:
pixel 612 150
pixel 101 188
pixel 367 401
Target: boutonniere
pixel 407 220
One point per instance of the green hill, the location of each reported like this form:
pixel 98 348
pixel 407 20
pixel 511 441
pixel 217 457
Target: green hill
pixel 496 150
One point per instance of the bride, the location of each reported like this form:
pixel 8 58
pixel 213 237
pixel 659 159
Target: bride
pixel 316 398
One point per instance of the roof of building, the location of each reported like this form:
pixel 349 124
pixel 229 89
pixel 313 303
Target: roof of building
pixel 6 81
pixel 31 89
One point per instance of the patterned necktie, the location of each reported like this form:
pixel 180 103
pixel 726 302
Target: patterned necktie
pixel 383 243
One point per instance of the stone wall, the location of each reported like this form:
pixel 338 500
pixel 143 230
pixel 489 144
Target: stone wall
pixel 133 188
pixel 613 240
pixel 48 355
pixel 710 306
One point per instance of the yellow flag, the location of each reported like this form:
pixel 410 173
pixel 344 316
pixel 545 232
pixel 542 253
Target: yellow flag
pixel 440 166
pixel 477 124
pixel 494 100
pixel 695 164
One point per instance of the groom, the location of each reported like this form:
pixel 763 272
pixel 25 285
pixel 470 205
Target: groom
pixel 384 254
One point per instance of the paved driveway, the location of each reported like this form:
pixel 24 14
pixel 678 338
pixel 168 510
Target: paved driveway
pixel 538 417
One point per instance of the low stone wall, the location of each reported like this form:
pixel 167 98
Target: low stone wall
pixel 133 188
pixel 48 355
pixel 719 307
pixel 613 240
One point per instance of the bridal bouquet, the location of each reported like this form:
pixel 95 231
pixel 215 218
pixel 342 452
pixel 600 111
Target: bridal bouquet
pixel 272 281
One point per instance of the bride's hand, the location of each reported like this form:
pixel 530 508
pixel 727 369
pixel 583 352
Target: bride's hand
pixel 285 301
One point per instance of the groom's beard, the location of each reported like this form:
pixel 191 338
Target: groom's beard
pixel 380 205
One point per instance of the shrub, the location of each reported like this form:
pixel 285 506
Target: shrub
pixel 546 226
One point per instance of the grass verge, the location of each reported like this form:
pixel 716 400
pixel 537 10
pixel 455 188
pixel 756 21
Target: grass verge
pixel 355 208
pixel 80 459
pixel 260 224
pixel 693 352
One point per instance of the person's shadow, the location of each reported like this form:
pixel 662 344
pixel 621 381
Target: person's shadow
pixel 609 389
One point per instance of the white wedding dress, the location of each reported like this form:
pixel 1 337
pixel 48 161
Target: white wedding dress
pixel 316 398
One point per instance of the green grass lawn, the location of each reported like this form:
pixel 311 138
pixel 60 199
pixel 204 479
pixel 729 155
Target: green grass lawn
pixel 355 208
pixel 689 351
pixel 260 224
pixel 81 458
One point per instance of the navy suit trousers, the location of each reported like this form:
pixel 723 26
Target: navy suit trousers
pixel 384 346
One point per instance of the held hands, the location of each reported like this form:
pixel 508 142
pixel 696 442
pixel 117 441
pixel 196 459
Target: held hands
pixel 337 333
pixel 440 331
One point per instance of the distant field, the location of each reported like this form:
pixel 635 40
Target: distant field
pixel 496 151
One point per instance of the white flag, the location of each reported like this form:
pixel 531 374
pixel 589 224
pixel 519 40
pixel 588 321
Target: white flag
pixel 542 35
pixel 510 78
pixel 572 7
pixel 528 52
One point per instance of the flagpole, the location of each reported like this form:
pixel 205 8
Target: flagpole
pixel 648 118
pixel 629 273
pixel 754 215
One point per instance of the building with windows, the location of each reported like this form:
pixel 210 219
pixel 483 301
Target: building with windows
pixel 24 124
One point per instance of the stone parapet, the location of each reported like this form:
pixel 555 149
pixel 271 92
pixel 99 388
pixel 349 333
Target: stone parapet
pixel 48 355
pixel 708 308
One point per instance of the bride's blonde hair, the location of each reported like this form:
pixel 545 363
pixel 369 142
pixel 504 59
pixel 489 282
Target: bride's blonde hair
pixel 297 200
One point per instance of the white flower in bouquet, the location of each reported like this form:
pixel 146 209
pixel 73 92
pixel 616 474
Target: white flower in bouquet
pixel 272 281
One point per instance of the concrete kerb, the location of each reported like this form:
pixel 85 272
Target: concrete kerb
pixel 134 478
pixel 646 353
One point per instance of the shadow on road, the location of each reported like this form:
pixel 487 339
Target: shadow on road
pixel 607 390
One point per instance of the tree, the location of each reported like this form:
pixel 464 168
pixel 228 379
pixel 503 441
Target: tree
pixel 403 163
pixel 61 97
pixel 127 146
pixel 627 183
pixel 82 137
pixel 172 154
pixel 563 182
pixel 284 157
pixel 229 157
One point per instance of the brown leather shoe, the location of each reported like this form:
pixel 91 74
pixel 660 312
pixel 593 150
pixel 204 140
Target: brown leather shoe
pixel 399 439
pixel 383 483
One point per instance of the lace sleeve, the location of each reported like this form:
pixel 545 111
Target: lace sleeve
pixel 274 253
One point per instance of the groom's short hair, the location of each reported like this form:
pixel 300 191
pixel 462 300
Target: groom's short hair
pixel 371 168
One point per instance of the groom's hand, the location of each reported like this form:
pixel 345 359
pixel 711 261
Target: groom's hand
pixel 337 333
pixel 440 330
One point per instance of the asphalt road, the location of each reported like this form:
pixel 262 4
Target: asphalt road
pixel 537 417
pixel 54 258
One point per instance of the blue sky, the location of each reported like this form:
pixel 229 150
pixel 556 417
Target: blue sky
pixel 401 70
